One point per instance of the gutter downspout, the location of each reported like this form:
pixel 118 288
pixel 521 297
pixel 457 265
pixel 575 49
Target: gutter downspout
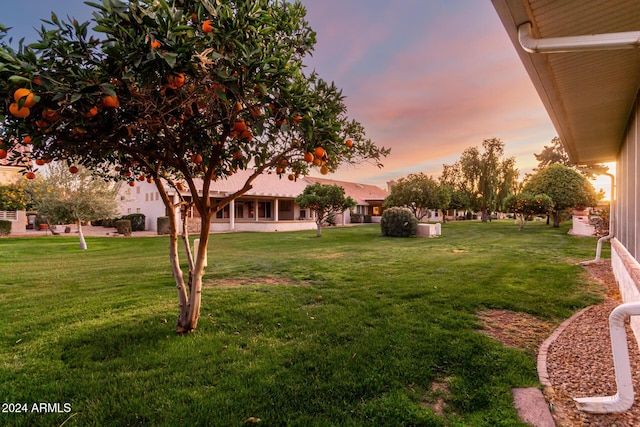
pixel 609 41
pixel 623 399
pixel 611 223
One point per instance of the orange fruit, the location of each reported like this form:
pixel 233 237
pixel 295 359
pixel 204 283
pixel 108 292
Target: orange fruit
pixel 349 143
pixel 237 155
pixel 246 134
pixel 40 162
pixel 141 178
pixel 196 158
pixel 73 169
pixel 176 80
pixel 324 170
pixel 30 175
pixel 149 180
pixel 319 152
pixel 180 186
pixel 317 161
pixel 239 126
pixel 111 101
pixel 207 26
pixel 92 112
pixel 37 81
pixel 132 183
pixel 50 115
pixel 155 44
pixel 308 157
pixel 26 140
pixel 291 177
pixel 297 119
pixel 3 154
pixel 20 113
pixel 22 93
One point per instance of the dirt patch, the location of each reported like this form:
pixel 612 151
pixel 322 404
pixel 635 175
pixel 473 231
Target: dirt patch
pixel 236 282
pixel 436 397
pixel 513 329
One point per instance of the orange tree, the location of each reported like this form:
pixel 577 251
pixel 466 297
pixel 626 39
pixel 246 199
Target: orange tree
pixel 181 93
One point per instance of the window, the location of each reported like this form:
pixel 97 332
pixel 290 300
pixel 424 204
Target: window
pixel 264 209
pixel 286 205
pixel 239 209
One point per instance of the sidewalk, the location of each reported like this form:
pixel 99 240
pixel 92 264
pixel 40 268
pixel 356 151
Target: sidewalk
pixel 87 230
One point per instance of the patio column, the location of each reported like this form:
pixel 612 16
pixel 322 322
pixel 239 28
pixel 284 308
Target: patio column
pixel 232 215
pixel 276 208
pixel 255 209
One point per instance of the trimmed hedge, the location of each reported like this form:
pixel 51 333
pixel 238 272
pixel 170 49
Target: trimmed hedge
pixel 398 222
pixel 137 221
pixel 124 227
pixel 163 225
pixel 5 227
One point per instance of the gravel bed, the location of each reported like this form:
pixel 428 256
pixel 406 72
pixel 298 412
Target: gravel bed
pixel 580 363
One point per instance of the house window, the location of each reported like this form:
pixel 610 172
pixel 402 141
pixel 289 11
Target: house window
pixel 303 213
pixel 251 207
pixel 286 205
pixel 138 190
pixel 264 209
pixel 224 213
pixel 9 215
pixel 146 197
pixel 376 210
pixel 239 209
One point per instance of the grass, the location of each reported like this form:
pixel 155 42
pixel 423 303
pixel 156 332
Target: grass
pixel 357 332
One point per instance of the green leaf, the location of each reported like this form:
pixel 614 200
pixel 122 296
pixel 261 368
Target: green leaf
pixel 19 79
pixel 170 58
pixel 76 96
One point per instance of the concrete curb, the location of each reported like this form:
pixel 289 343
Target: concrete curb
pixel 531 404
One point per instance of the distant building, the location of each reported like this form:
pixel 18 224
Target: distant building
pixel 268 206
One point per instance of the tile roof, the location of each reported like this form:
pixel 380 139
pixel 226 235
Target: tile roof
pixel 361 193
pixel 272 185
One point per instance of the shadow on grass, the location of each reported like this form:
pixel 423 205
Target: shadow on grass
pixel 125 340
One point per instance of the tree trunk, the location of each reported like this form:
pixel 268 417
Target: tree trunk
pixel 83 243
pixel 319 227
pixel 195 275
pixel 182 323
pixel 485 214
pixel 556 219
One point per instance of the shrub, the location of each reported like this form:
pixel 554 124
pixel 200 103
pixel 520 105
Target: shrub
pixel 163 225
pixel 5 227
pixel 398 222
pixel 367 219
pixel 356 218
pixel 137 221
pixel 124 227
pixel 109 222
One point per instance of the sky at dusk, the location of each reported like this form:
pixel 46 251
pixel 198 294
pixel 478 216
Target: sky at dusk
pixel 427 78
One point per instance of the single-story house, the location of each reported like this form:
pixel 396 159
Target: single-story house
pixel 369 198
pixel 10 174
pixel 268 206
pixel 583 57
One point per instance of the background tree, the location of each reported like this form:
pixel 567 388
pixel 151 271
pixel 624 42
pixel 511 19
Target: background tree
pixel 13 198
pixel 180 93
pixel 73 198
pixel 566 187
pixel 417 192
pixel 325 201
pixel 556 154
pixel 524 205
pixel 484 176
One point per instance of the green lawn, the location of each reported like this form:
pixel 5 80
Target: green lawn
pixel 350 329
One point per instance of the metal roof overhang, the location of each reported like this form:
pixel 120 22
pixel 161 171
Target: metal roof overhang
pixel 589 95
